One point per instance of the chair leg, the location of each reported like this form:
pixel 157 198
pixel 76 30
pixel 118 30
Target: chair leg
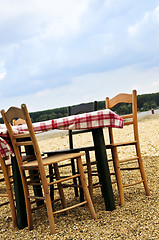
pixel 74 179
pixel 90 184
pixel 85 188
pixel 80 189
pixel 50 213
pixel 144 178
pixel 60 188
pixel 142 171
pixel 27 200
pixel 118 175
pixel 48 203
pixel 6 171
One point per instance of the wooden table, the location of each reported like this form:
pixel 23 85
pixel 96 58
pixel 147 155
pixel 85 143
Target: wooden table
pixel 95 121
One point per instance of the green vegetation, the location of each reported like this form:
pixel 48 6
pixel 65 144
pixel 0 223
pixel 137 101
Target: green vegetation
pixel 48 114
pixel 145 103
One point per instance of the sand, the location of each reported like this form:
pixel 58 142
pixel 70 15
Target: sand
pixel 137 219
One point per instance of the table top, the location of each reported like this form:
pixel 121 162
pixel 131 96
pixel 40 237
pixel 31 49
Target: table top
pixel 91 120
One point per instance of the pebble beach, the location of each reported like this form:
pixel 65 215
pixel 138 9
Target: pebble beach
pixel 137 219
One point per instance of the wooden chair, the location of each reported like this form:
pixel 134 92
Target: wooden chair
pixel 74 110
pixel 39 164
pixel 129 120
pixel 6 179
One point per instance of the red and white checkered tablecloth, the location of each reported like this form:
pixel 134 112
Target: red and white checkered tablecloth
pixel 96 119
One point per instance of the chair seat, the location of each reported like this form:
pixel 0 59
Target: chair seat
pixel 51 160
pixel 74 150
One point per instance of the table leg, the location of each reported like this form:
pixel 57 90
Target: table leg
pixel 103 168
pixel 19 195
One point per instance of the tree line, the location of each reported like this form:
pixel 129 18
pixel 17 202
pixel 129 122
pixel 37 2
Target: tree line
pixel 145 102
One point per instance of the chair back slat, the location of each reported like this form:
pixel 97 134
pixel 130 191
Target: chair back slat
pixel 22 135
pixel 128 123
pixel 81 108
pixel 120 98
pixel 130 119
pixel 127 116
pixel 14 113
pixel 27 143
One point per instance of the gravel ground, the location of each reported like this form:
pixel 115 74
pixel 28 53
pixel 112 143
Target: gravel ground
pixel 137 219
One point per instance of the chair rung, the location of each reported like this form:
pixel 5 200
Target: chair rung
pixel 69 208
pixel 127 116
pixel 129 159
pixel 129 169
pixel 2 180
pixel 32 176
pixel 22 136
pixel 93 163
pixel 93 171
pixel 95 174
pixel 65 179
pixel 34 184
pixel 124 144
pixel 128 123
pixel 96 186
pixel 114 182
pixel 3 195
pixel 2 204
pixel 71 185
pixel 113 174
pixel 36 197
pixel 24 143
pixel 35 181
pixel 110 160
pixel 131 184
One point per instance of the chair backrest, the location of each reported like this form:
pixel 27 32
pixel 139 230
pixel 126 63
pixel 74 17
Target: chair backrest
pixel 26 139
pixel 130 119
pixel 81 108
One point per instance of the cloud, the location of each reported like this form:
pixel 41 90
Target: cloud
pixel 143 33
pixel 152 87
pixel 50 47
pixel 2 75
pixel 90 87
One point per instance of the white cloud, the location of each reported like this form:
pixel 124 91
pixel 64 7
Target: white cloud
pixel 136 29
pixel 81 47
pixel 152 87
pixel 2 75
pixel 41 18
pixel 146 24
pixel 90 87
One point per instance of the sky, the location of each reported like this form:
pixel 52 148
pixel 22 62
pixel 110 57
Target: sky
pixel 56 53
